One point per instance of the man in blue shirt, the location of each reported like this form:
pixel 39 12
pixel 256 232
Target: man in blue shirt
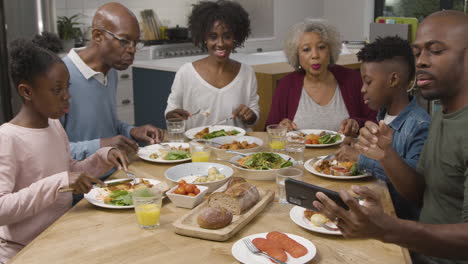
pixel 92 122
pixel 387 70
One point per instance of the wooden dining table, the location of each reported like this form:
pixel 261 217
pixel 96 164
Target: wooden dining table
pixel 90 234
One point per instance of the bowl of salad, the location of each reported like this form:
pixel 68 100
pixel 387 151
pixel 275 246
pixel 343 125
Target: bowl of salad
pixel 261 166
pixel 245 144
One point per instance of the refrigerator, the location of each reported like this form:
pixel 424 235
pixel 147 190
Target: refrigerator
pixel 19 18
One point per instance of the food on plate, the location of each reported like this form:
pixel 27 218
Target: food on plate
pixel 214 218
pixel 237 198
pixel 336 168
pixel 319 220
pixel 264 161
pixel 206 134
pixel 289 245
pixel 186 189
pixel 120 193
pixel 235 145
pixel 321 138
pixel 174 153
pixel 213 175
pixel 270 248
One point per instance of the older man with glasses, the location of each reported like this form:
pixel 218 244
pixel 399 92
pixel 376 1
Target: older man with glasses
pixel 92 122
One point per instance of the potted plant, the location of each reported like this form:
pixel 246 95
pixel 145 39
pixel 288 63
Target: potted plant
pixel 67 30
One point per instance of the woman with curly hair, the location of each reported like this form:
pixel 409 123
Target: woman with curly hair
pixel 216 83
pixel 319 94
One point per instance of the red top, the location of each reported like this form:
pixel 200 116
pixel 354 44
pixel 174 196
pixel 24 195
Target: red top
pixel 289 89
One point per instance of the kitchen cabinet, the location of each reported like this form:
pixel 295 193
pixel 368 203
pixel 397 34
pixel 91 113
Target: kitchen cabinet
pixel 124 97
pixel 152 81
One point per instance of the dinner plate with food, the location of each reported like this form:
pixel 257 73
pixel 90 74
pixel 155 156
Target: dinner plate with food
pixel 165 152
pixel 317 138
pixel 210 132
pixel 313 221
pixel 222 145
pixel 261 166
pixel 289 248
pixel 118 193
pixel 331 168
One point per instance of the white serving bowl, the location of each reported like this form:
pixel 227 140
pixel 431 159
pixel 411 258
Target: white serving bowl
pixel 190 171
pixel 223 154
pixel 259 175
pixel 186 201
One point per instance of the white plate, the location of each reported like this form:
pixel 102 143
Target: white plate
pixel 310 166
pixel 243 254
pixel 318 131
pixel 297 215
pixel 192 132
pixel 93 195
pixel 145 152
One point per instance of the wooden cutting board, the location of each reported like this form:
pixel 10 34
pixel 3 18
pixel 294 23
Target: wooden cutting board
pixel 187 225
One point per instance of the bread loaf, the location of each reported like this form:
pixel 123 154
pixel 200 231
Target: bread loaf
pixel 214 218
pixel 238 197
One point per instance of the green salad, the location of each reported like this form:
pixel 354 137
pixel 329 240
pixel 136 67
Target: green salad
pixel 177 155
pixel 264 161
pixel 329 138
pixel 220 133
pixel 120 198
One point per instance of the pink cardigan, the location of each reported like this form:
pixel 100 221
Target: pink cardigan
pixel 288 93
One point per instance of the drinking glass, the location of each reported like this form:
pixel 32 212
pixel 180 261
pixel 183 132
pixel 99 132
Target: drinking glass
pixel 277 137
pixel 295 147
pixel 200 152
pixel 147 204
pixel 281 176
pixel 175 129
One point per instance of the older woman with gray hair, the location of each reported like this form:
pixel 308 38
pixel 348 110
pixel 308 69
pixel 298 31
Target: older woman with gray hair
pixel 319 94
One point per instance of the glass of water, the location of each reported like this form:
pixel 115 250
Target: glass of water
pixel 295 147
pixel 281 176
pixel 175 129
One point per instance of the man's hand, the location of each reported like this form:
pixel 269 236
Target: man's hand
pixel 347 153
pixel 120 142
pixel 147 133
pixel 360 221
pixel 375 141
pixel 289 124
pixel 349 127
pixel 178 113
pixel 81 182
pixel 118 158
pixel 245 114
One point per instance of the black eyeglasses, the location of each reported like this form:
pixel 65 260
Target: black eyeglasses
pixel 125 43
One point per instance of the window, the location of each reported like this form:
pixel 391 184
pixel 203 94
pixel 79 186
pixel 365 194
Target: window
pixel 416 8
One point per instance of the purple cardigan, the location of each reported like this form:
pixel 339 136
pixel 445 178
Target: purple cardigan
pixel 289 89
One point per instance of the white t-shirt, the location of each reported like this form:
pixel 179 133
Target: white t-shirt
pixel 389 118
pixel 311 115
pixel 192 93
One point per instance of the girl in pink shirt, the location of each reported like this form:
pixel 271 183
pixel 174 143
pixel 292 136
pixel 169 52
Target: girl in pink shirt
pixel 34 151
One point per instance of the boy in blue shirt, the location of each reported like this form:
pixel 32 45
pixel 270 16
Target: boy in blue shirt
pixel 387 70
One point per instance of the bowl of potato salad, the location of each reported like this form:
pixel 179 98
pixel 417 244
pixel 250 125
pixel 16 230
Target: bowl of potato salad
pixel 211 175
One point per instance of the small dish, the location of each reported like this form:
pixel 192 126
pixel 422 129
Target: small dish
pixel 186 201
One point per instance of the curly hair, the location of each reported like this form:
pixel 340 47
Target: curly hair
pixel 206 13
pixel 28 61
pixel 49 41
pixel 327 32
pixel 389 48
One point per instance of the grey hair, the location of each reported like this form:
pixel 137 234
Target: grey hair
pixel 327 32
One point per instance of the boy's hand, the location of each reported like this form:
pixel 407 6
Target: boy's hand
pixel 375 141
pixel 347 153
pixel 148 133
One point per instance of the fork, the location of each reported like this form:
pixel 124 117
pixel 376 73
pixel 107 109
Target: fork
pixel 196 112
pixel 224 121
pixel 252 248
pixel 131 175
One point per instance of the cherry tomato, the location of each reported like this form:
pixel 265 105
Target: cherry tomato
pixel 189 188
pixel 196 190
pixel 182 183
pixel 180 190
pixel 309 141
pixel 191 194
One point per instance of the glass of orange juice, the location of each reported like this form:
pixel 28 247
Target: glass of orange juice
pixel 277 137
pixel 147 204
pixel 200 152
